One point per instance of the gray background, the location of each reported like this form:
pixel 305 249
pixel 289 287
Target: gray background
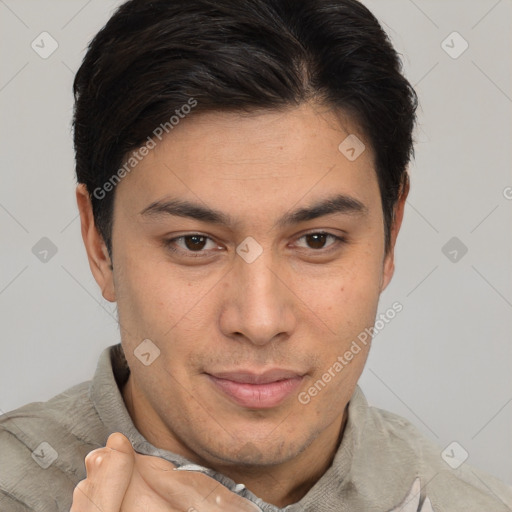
pixel 444 362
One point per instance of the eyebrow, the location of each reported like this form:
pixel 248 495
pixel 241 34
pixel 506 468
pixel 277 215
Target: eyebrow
pixel 338 204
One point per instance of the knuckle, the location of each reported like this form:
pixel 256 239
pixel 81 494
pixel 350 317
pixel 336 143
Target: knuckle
pixel 97 451
pixel 91 457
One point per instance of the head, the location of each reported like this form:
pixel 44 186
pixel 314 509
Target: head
pixel 242 178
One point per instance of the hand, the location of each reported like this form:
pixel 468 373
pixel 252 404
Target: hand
pixel 121 480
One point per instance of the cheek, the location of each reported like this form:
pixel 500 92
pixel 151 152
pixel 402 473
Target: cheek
pixel 145 306
pixel 156 302
pixel 347 292
pixel 346 302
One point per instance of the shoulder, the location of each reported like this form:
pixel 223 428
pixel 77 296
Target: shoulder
pixel 43 447
pixel 447 479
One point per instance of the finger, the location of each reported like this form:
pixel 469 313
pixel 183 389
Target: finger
pixel 198 492
pixel 223 500
pixel 151 464
pixel 109 471
pixel 120 443
pixel 93 459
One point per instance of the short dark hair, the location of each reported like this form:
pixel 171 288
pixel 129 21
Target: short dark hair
pixel 152 57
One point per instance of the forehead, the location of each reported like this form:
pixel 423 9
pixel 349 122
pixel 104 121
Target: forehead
pixel 256 160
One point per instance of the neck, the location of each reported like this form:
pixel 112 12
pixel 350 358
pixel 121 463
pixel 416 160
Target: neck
pixel 289 482
pixel 280 485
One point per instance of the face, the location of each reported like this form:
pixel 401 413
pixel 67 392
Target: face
pixel 250 251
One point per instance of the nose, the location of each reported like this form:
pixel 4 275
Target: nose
pixel 258 305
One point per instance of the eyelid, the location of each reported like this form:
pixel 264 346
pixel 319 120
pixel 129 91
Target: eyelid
pixel 338 239
pixel 170 243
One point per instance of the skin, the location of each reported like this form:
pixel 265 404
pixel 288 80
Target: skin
pixel 298 306
pixel 121 480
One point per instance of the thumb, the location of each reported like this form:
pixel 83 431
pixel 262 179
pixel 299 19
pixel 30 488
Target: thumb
pixel 109 472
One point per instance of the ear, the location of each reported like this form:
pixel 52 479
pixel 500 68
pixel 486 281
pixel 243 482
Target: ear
pixel 398 215
pixel 97 253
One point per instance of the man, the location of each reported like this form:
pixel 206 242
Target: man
pixel 242 181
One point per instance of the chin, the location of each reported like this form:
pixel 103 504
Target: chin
pixel 257 452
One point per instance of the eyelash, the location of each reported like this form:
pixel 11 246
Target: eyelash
pixel 169 244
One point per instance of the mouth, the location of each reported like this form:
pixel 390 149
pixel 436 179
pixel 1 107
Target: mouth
pixel 257 391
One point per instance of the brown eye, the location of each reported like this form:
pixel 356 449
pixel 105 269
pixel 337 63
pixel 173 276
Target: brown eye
pixel 193 245
pixel 316 240
pixel 195 242
pixel 319 240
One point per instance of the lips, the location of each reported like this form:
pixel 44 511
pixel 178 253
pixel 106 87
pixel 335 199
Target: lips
pixel 257 390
